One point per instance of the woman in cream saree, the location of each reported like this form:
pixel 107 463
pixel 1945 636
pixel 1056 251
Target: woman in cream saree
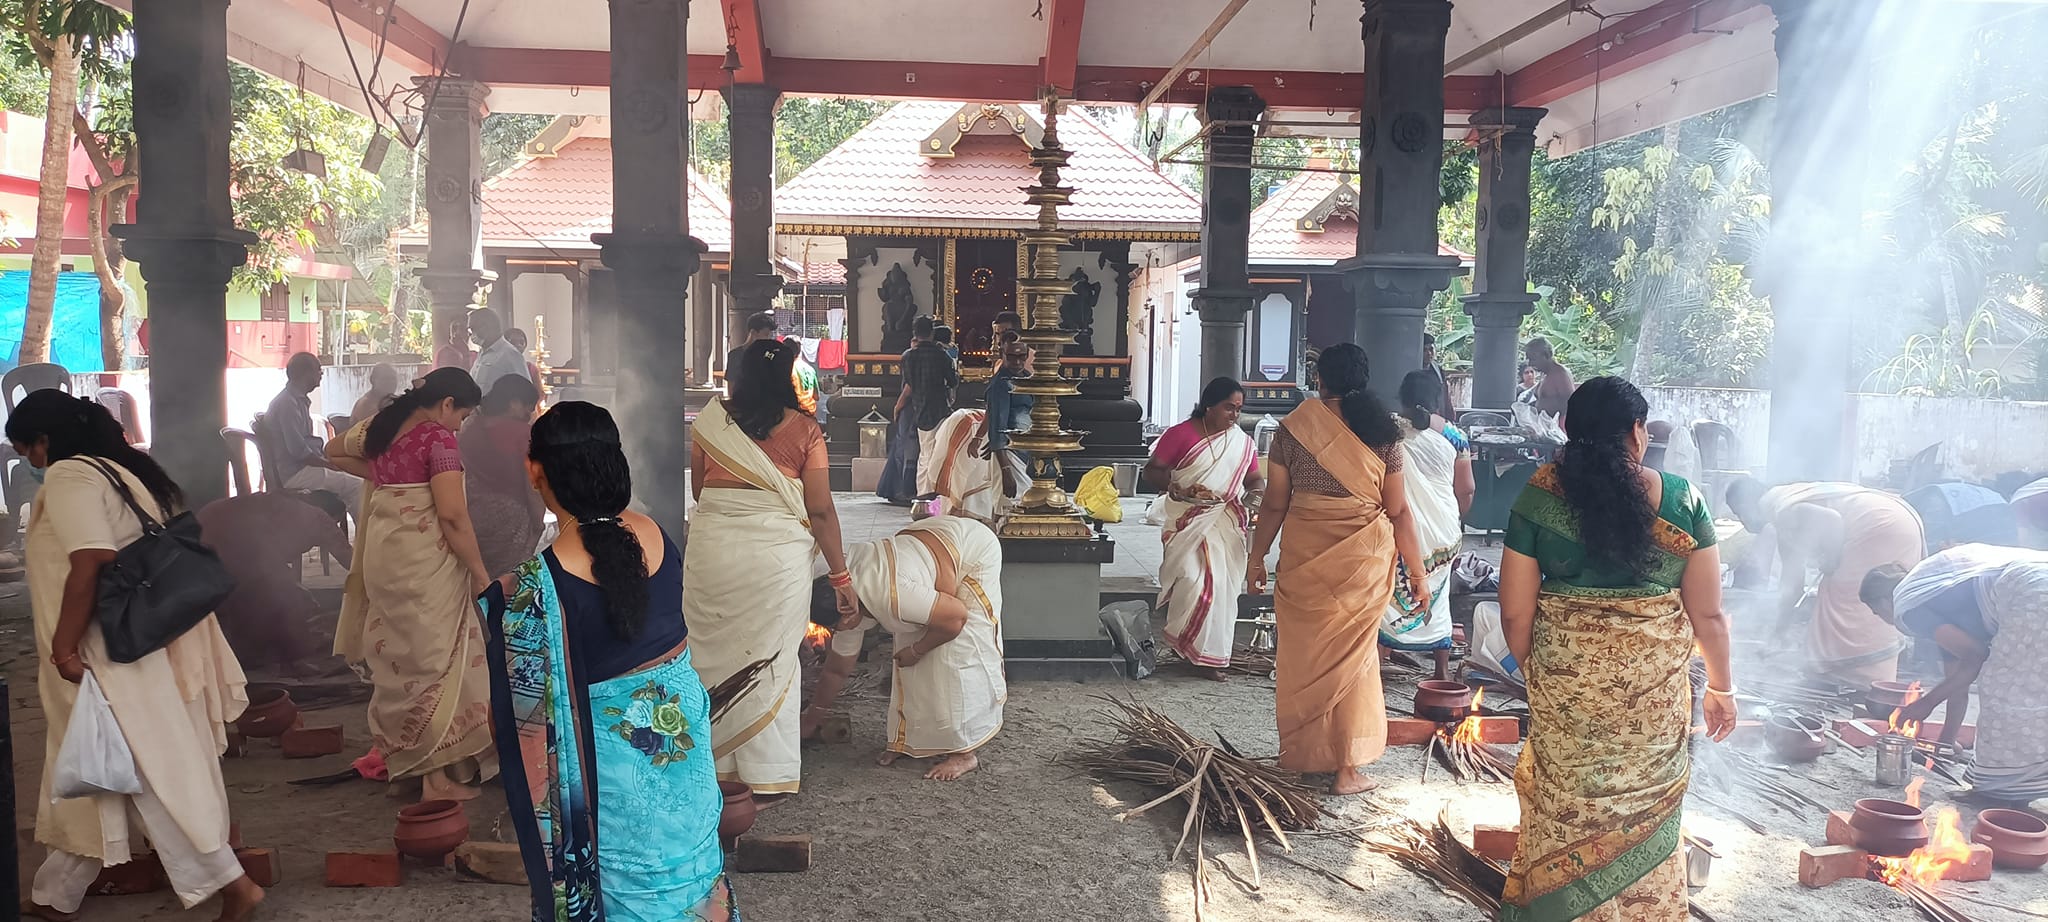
pixel 1335 479
pixel 969 478
pixel 408 613
pixel 1210 467
pixel 764 507
pixel 1440 487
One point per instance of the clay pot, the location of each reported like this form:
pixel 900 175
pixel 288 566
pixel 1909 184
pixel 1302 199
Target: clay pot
pixel 2018 840
pixel 1888 827
pixel 270 712
pixel 1788 739
pixel 1882 698
pixel 1441 701
pixel 430 830
pixel 738 815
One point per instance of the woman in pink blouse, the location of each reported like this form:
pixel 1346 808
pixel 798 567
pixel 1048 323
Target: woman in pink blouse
pixel 409 614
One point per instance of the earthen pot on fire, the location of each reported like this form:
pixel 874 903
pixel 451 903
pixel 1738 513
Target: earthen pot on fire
pixel 1795 739
pixel 2018 840
pixel 1441 701
pixel 1888 827
pixel 1882 698
pixel 269 714
pixel 738 814
pixel 430 830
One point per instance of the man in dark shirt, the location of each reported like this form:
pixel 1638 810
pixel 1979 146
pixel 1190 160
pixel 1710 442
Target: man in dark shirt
pixel 301 456
pixel 269 619
pixel 759 327
pixel 929 377
pixel 1431 364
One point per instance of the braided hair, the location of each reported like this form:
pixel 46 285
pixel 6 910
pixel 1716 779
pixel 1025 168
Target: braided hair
pixel 1343 372
pixel 577 447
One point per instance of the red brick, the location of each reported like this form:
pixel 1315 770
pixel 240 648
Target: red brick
pixel 261 865
pixel 1496 842
pixel 363 869
pixel 1839 832
pixel 142 874
pixel 311 742
pixel 1978 868
pixel 1414 731
pixel 1820 866
pixel 1862 733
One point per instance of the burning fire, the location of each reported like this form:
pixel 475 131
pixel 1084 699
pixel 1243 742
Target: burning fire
pixel 1468 729
pixel 1913 792
pixel 1907 728
pixel 815 636
pixel 1946 847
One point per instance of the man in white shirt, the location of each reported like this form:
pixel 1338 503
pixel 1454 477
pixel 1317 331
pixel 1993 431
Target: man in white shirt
pixel 499 357
pixel 301 455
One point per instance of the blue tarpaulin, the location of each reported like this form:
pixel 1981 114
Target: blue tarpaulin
pixel 74 326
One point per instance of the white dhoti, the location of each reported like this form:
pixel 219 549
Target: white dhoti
pixel 966 475
pixel 952 700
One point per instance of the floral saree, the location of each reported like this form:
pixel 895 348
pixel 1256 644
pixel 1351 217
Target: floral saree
pixel 613 794
pixel 1604 773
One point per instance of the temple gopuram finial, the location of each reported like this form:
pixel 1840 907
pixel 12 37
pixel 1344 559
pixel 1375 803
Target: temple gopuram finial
pixel 1045 510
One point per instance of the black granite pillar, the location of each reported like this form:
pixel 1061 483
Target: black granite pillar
pixel 185 236
pixel 649 248
pixel 750 121
pixel 1812 269
pixel 1226 295
pixel 455 180
pixel 1401 133
pixel 1500 295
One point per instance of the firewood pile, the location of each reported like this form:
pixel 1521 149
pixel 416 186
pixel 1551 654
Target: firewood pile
pixel 1221 787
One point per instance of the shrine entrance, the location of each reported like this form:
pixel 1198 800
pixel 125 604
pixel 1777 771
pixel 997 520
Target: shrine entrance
pixel 984 285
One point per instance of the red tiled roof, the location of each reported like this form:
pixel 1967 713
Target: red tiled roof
pixel 827 272
pixel 878 177
pixel 1275 239
pixel 558 202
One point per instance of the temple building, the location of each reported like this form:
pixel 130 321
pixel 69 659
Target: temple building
pixel 921 210
pixel 1298 235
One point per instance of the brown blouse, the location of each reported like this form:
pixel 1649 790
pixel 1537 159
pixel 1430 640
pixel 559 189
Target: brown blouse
pixel 1306 475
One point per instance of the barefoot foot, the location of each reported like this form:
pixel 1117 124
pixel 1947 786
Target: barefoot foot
pixel 1352 781
pixel 34 910
pixel 888 758
pixel 952 767
pixel 1217 674
pixel 239 900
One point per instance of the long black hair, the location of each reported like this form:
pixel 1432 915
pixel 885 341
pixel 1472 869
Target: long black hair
pixel 1597 470
pixel 1421 398
pixel 439 384
pixel 766 388
pixel 576 445
pixel 1343 372
pixel 1218 390
pixel 79 427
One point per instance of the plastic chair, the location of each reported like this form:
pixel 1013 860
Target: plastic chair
pixel 25 379
pixel 238 442
pixel 122 405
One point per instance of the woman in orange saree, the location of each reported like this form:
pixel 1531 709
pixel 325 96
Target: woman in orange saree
pixel 1334 480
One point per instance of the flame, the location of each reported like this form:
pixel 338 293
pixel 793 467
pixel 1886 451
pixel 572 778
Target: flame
pixel 1913 792
pixel 1946 848
pixel 1909 728
pixel 815 636
pixel 1468 729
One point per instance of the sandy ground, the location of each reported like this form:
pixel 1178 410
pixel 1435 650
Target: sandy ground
pixel 1026 838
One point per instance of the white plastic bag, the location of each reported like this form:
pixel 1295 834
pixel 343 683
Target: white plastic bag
pixel 1155 511
pixel 94 758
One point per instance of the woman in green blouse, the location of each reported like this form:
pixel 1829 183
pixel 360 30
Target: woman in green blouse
pixel 1609 577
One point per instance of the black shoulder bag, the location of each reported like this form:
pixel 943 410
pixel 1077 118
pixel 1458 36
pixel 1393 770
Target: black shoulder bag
pixel 158 587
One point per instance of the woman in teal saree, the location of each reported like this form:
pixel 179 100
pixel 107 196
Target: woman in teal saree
pixel 599 717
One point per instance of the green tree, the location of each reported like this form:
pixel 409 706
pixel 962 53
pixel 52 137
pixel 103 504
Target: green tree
pixel 806 130
pixel 69 41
